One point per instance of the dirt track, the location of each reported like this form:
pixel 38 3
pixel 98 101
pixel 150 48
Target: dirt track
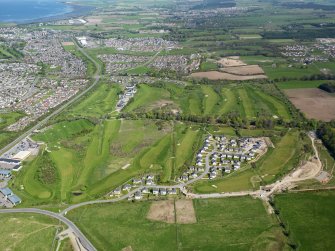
pixel 313 102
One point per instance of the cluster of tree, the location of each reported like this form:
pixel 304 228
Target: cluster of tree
pixel 232 119
pixel 303 34
pixel 212 4
pixel 46 173
pixel 308 5
pixel 328 87
pixel 307 77
pixel 326 133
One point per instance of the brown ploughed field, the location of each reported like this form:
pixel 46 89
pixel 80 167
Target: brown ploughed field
pixel 313 102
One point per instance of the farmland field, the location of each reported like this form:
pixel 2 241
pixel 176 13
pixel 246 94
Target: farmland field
pixel 219 222
pixel 309 217
pixel 313 102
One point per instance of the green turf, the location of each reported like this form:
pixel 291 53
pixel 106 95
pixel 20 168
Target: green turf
pixel 309 218
pixel 147 96
pixel 222 224
pixel 211 99
pixel 242 180
pixel 7 119
pixel 64 130
pixel 100 102
pixel 28 232
pixel 280 159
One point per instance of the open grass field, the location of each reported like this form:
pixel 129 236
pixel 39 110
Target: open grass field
pixel 242 180
pixel 246 100
pixel 280 159
pixel 100 102
pixel 28 232
pixel 9 118
pixel 309 217
pixel 221 224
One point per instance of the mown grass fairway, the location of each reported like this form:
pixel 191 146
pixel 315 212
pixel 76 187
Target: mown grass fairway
pixel 28 232
pixel 147 96
pixel 222 224
pixel 310 218
pixel 87 159
pixel 208 100
pixel 100 102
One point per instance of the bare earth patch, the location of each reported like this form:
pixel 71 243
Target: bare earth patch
pixel 233 69
pixel 162 211
pixel 313 102
pixel 244 70
pixel 67 43
pixel 129 248
pixel 216 75
pixel 231 62
pixel 94 20
pixel 185 212
pixel 306 170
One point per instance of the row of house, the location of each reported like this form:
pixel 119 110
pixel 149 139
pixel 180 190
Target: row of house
pixel 145 190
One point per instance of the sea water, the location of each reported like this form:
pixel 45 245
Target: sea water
pixel 21 11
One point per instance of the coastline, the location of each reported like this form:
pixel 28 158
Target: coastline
pixel 78 10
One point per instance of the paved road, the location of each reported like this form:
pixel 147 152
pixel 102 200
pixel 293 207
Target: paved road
pixel 81 237
pixel 96 78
